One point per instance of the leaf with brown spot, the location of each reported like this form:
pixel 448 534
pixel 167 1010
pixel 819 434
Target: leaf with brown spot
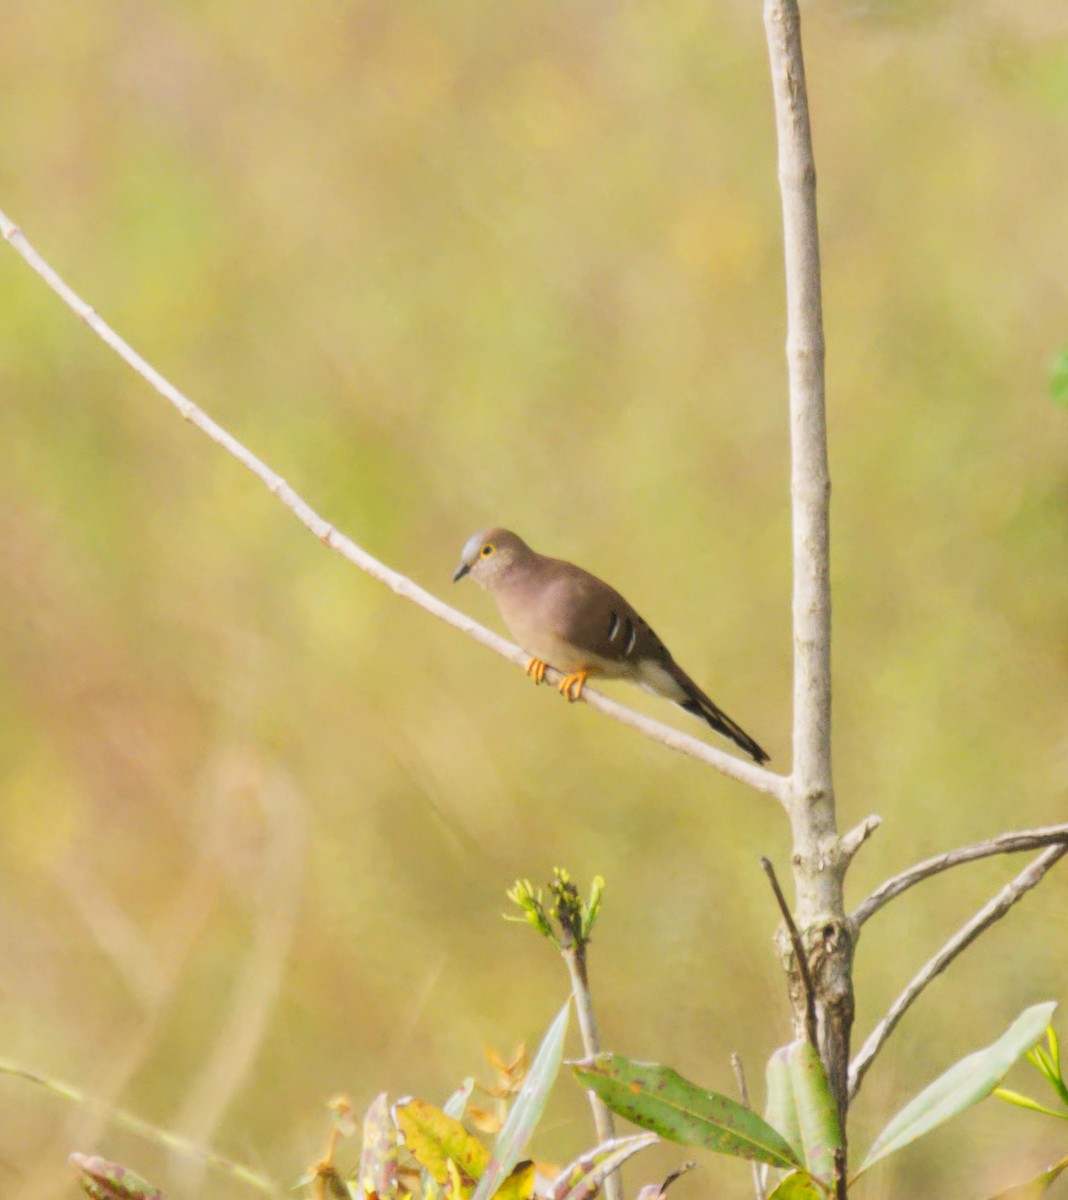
pixel 658 1098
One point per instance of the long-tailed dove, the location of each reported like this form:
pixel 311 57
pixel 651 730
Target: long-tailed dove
pixel 565 617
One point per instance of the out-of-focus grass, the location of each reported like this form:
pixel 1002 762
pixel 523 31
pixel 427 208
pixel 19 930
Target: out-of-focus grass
pixel 444 267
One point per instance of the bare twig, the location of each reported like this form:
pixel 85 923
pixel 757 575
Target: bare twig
pixel 739 1078
pixel 799 951
pixel 858 835
pixel 743 1095
pixel 1028 878
pixel 1004 843
pixel 756 777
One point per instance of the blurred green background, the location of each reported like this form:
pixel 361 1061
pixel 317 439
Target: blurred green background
pixel 445 265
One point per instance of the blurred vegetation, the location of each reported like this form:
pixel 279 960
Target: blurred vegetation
pixel 445 266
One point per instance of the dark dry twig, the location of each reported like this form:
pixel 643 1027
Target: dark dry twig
pixel 799 952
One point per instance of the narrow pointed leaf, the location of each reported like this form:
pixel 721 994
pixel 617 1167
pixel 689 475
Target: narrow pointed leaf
pixel 102 1180
pixel 580 1179
pixel 1054 1047
pixel 377 1172
pixel 436 1140
pixel 1022 1101
pixel 519 1185
pixel 817 1113
pixel 965 1084
pixel 781 1110
pixel 457 1103
pixel 527 1108
pixel 1035 1188
pixel 658 1098
pixel 798 1185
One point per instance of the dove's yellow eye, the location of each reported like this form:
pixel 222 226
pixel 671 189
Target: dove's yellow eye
pixel 487 550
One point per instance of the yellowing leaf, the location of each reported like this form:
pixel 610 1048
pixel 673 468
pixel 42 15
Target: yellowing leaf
pixel 519 1185
pixel 435 1140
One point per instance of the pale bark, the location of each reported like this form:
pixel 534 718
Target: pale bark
pixel 819 860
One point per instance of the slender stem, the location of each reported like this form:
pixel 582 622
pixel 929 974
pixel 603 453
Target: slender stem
pixel 991 912
pixel 839 1174
pixel 1004 843
pixel 743 1095
pixel 759 778
pixel 162 1137
pixel 575 957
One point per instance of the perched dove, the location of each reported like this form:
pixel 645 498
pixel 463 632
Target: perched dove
pixel 567 618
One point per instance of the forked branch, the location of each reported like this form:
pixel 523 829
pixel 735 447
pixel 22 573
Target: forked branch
pixel 1004 843
pixel 1028 878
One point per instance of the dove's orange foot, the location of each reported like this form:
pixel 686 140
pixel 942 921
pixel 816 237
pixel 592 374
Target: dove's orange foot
pixel 536 670
pixel 571 685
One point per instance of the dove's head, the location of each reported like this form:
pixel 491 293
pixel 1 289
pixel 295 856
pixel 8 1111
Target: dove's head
pixel 490 555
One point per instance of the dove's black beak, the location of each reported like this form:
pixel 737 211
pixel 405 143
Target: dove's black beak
pixel 461 571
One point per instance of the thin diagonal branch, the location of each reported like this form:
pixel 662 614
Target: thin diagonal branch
pixel 153 1133
pixel 800 957
pixel 756 777
pixel 993 911
pixel 1004 843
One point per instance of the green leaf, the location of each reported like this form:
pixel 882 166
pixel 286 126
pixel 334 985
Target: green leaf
pixel 1022 1101
pixel 102 1180
pixel 798 1185
pixel 1049 1063
pixel 965 1084
pixel 1035 1188
pixel 580 1179
pixel 1058 378
pixel 519 1185
pixel 436 1140
pixel 817 1113
pixel 658 1098
pixel 527 1108
pixel 781 1110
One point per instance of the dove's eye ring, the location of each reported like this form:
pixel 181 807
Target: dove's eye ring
pixel 487 550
